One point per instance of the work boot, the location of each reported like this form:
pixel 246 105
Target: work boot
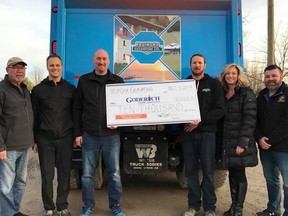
pixel 233 191
pixel 241 194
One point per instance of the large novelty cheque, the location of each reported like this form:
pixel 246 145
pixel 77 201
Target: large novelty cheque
pixel 150 103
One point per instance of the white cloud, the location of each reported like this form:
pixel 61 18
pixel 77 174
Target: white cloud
pixel 25 29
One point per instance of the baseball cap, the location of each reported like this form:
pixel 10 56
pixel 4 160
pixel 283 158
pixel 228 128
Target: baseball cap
pixel 15 60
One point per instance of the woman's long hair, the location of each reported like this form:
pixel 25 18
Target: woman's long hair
pixel 242 79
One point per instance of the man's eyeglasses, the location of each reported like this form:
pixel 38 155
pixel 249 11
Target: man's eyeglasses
pixel 18 67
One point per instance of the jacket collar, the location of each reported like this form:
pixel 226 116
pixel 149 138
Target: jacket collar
pixel 206 76
pixel 92 76
pixel 50 82
pixel 280 91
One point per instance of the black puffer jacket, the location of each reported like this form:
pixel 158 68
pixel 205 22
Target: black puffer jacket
pixel 238 129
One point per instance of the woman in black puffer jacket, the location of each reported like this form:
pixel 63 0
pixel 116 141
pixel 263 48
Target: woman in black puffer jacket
pixel 238 124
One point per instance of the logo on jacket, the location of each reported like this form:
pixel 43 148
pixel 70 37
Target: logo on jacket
pixel 206 90
pixel 281 99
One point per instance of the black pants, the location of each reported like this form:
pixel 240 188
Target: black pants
pixel 55 153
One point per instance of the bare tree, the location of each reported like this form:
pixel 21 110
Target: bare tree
pixel 282 49
pixel 255 74
pixel 36 75
pixel 246 34
pixel 274 49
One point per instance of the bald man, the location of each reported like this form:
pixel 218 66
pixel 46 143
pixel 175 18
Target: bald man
pixel 93 136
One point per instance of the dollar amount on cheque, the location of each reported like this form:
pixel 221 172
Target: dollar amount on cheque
pixel 166 102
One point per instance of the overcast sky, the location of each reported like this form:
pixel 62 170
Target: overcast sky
pixel 25 26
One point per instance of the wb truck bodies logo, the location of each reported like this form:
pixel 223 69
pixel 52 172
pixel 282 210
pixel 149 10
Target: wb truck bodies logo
pixel 145 151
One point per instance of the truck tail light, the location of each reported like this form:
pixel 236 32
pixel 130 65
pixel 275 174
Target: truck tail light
pixel 238 12
pixel 55 9
pixel 54 47
pixel 76 76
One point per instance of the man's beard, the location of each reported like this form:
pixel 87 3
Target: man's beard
pixel 19 79
pixel 197 72
pixel 101 68
pixel 272 85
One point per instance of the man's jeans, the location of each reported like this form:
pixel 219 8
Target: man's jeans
pixel 200 146
pixel 13 174
pixel 110 147
pixel 275 163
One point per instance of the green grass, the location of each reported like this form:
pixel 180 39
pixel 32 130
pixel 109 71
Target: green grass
pixel 173 61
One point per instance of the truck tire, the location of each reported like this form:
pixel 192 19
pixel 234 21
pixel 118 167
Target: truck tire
pixel 182 181
pixel 75 179
pixel 75 176
pixel 219 177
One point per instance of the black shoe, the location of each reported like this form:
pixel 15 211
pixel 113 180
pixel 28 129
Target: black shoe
pixel 266 212
pixel 20 214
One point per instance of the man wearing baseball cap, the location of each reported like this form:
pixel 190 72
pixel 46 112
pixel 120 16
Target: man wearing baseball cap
pixel 15 60
pixel 16 136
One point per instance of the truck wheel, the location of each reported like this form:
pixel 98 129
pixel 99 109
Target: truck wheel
pixel 182 181
pixel 75 179
pixel 219 177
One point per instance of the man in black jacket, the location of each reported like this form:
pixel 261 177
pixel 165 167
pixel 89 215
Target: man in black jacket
pixel 199 142
pixel 52 102
pixel 272 137
pixel 16 136
pixel 93 136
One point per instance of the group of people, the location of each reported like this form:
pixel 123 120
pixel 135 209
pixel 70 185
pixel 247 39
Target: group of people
pixel 56 116
pixel 53 118
pixel 229 109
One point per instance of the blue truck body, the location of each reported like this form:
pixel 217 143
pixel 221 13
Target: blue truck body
pixel 147 41
pixel 210 27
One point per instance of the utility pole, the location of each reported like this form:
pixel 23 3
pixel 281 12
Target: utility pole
pixel 271 34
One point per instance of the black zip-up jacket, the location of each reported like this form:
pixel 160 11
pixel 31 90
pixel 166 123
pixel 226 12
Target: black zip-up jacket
pixel 211 103
pixel 16 117
pixel 53 105
pixel 90 105
pixel 238 127
pixel 272 118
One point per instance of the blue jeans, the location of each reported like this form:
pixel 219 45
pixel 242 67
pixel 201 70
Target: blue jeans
pixel 200 147
pixel 275 163
pixel 110 147
pixel 13 174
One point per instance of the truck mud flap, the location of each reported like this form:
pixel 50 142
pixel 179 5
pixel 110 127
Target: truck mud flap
pixel 144 154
